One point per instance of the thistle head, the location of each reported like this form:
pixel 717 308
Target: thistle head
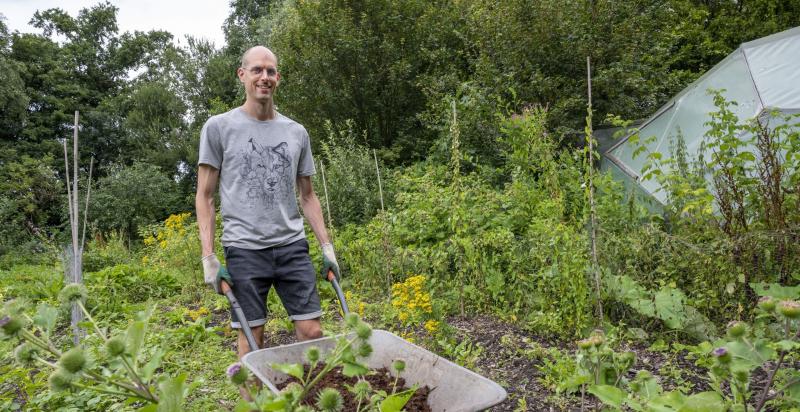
pixel 365 350
pixel 73 360
pixel 25 353
pixel 312 354
pixel 330 400
pixel 237 373
pixel 60 380
pixel 722 355
pixel 767 304
pixel 790 309
pixel 11 325
pixel 74 292
pixel 362 389
pixel 351 320
pixel 399 365
pixel 363 331
pixel 115 346
pixel 737 329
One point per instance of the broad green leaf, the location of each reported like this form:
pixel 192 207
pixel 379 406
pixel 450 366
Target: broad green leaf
pixel 46 317
pixel 787 345
pixel 573 382
pixel 793 391
pixel 609 395
pixel 775 290
pixel 152 407
pixel 669 307
pixel 244 406
pixel 134 337
pixel 291 369
pixel 151 365
pixel 703 402
pixel 351 369
pixel 275 405
pixel 668 402
pixel 170 394
pixel 750 357
pixel 395 403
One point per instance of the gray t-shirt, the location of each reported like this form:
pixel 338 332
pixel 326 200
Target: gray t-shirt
pixel 259 162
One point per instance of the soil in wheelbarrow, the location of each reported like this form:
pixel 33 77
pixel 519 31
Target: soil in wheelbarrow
pixel 379 379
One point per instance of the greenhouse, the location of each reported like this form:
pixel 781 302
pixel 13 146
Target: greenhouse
pixel 761 76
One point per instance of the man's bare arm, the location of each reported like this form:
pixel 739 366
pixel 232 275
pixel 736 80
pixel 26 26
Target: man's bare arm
pixel 312 208
pixel 207 177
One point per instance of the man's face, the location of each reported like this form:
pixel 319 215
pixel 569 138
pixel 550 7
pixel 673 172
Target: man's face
pixel 260 77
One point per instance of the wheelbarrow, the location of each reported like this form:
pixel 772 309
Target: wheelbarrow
pixel 453 388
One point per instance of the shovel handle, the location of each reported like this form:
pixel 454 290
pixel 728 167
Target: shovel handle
pixel 239 314
pixel 339 294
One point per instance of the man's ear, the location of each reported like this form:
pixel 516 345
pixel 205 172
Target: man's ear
pixel 240 74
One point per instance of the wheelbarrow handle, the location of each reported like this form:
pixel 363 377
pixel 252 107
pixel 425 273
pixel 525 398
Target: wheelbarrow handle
pixel 239 314
pixel 339 294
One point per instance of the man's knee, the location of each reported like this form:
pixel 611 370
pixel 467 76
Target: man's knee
pixel 308 329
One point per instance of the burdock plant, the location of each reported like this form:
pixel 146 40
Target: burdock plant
pixel 74 368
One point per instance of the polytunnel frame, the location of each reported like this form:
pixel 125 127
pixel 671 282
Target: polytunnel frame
pixel 664 110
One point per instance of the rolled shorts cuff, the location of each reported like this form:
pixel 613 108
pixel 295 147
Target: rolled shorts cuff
pixel 307 316
pixel 252 323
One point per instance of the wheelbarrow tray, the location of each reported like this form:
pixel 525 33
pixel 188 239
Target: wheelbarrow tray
pixel 453 388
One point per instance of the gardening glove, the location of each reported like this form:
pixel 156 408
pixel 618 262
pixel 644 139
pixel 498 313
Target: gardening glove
pixel 329 261
pixel 214 273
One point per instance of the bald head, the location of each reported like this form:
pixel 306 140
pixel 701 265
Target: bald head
pixel 257 52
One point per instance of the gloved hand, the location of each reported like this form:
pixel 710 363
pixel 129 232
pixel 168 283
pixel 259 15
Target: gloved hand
pixel 214 272
pixel 329 261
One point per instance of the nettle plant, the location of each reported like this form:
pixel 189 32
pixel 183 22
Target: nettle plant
pixel 346 354
pixel 771 344
pixel 118 369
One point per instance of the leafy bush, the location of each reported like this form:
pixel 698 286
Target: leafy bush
pixel 130 197
pixel 351 179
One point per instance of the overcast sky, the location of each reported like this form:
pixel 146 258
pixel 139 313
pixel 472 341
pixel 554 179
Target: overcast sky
pixel 199 18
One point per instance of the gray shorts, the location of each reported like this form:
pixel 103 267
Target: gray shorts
pixel 288 268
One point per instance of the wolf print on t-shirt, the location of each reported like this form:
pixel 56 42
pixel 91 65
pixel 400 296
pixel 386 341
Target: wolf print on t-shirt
pixel 266 172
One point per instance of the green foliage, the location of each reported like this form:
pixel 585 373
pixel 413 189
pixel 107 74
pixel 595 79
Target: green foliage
pixel 132 197
pixel 351 180
pixel 126 374
pixel 30 193
pixel 115 288
pixel 667 304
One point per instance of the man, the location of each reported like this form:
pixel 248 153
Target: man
pixel 260 158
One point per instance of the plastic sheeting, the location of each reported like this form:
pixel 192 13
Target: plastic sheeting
pixel 760 75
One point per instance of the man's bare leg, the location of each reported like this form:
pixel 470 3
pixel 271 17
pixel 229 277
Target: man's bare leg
pixel 243 348
pixel 307 329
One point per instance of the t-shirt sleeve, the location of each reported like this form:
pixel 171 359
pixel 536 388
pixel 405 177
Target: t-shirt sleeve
pixel 210 145
pixel 305 166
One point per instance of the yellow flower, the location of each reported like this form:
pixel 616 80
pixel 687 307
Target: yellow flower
pixel 431 326
pixel 361 307
pixel 403 316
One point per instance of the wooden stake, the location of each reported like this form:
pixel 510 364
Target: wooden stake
pixel 378 172
pixel 86 208
pixel 592 211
